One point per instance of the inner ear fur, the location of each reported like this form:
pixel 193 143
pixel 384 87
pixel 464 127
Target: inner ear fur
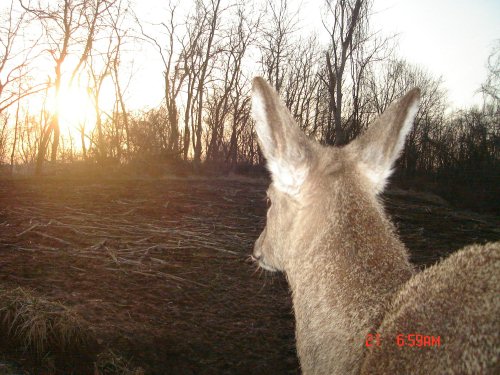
pixel 287 149
pixel 380 146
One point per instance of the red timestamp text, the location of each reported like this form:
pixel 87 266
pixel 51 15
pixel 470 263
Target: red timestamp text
pixel 418 340
pixel 405 340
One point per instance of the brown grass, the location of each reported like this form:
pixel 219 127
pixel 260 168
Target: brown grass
pixel 157 270
pixel 38 325
pixel 111 363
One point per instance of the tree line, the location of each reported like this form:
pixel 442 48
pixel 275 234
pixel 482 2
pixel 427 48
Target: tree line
pixel 335 81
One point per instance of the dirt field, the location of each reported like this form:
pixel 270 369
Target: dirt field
pixel 160 270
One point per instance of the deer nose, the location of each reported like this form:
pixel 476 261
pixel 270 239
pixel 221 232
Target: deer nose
pixel 257 254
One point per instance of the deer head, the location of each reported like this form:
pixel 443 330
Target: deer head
pixel 306 176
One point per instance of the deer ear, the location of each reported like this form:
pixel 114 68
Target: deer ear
pixel 288 151
pixel 379 147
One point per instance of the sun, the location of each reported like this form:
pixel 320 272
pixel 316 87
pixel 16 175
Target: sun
pixel 74 108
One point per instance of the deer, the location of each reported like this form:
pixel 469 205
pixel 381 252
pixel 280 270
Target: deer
pixel 359 304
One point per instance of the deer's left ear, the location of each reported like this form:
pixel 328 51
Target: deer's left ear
pixel 287 149
pixel 379 147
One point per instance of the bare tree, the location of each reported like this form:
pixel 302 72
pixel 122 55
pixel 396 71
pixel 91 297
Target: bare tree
pixel 242 142
pixel 211 16
pixel 344 23
pixel 190 58
pixel 4 136
pixel 15 137
pixel 225 98
pixel 99 68
pixel 276 46
pixel 174 74
pixel 491 87
pixel 302 80
pixel 29 135
pixel 16 53
pixel 120 33
pixel 70 28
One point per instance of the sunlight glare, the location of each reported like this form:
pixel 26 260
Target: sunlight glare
pixel 74 108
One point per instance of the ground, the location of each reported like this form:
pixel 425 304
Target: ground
pixel 160 269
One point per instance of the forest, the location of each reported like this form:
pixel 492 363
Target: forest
pixel 77 56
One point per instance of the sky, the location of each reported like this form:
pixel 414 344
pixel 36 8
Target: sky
pixel 451 39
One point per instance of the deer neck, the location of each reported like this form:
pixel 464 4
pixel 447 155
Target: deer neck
pixel 348 266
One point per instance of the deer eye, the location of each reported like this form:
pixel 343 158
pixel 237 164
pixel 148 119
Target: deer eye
pixel 268 202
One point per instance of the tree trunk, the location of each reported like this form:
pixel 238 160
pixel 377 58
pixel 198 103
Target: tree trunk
pixel 42 149
pixel 14 141
pixel 84 148
pixel 55 141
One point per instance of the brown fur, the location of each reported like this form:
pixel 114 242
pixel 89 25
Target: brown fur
pixel 348 271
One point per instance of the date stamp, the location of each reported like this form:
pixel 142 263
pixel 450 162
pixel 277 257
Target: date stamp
pixel 404 340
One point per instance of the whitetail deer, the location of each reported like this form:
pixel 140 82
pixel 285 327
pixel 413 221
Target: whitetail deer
pixel 359 305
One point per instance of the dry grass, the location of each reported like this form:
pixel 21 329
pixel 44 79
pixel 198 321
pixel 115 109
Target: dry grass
pixel 10 368
pixel 40 326
pixel 41 329
pixel 110 363
pixel 45 333
pixel 158 270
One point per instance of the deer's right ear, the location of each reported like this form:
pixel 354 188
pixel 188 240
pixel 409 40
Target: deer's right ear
pixel 379 147
pixel 288 151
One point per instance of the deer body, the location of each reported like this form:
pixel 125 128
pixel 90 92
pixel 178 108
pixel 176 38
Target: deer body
pixel 333 322
pixel 348 271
